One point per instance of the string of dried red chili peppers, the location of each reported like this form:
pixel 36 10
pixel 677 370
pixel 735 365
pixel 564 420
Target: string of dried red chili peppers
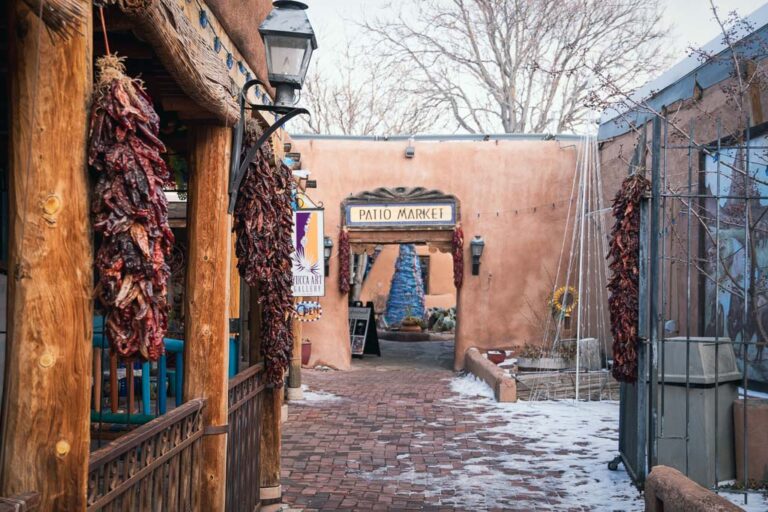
pixel 130 212
pixel 263 222
pixel 623 284
pixel 458 256
pixel 344 261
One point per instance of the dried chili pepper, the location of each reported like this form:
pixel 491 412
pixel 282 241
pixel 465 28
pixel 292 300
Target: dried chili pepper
pixel 623 284
pixel 130 212
pixel 457 250
pixel 263 223
pixel 344 276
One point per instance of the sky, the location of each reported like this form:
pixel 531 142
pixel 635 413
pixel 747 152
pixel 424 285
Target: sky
pixel 690 20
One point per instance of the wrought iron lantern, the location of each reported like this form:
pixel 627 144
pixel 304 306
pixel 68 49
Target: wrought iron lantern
pixel 289 41
pixel 327 251
pixel 476 247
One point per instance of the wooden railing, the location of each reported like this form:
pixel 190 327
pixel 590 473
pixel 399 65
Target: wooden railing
pixel 155 467
pixel 245 392
pixel 28 502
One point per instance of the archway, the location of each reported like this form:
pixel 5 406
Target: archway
pixel 402 215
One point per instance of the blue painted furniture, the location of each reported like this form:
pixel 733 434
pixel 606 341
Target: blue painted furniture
pixel 167 380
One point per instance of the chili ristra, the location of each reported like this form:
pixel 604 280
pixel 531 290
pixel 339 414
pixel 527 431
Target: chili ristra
pixel 457 248
pixel 130 212
pixel 263 223
pixel 623 284
pixel 344 276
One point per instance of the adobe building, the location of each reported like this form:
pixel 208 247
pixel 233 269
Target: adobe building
pixel 511 190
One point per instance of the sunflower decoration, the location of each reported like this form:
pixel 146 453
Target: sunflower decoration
pixel 564 301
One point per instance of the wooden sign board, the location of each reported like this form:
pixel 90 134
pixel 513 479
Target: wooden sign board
pixel 400 214
pixel 362 330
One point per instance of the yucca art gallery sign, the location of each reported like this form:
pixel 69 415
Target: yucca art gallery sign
pixel 400 214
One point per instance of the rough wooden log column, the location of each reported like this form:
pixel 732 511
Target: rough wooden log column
pixel 271 412
pixel 207 301
pixel 45 420
pixel 294 376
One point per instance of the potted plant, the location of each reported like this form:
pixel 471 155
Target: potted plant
pixel 539 358
pixel 496 356
pixel 306 351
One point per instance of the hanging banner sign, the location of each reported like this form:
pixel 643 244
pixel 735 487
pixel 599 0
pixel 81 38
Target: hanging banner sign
pixel 308 311
pixel 400 214
pixel 307 258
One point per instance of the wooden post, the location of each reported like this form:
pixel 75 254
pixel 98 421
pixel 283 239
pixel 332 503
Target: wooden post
pixel 45 418
pixel 294 376
pixel 206 350
pixel 271 412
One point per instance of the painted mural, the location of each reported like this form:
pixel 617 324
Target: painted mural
pixel 734 233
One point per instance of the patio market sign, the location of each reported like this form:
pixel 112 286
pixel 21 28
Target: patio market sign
pixel 400 214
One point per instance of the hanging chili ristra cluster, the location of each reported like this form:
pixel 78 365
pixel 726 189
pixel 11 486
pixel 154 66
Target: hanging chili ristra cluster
pixel 458 256
pixel 344 261
pixel 263 222
pixel 130 212
pixel 623 285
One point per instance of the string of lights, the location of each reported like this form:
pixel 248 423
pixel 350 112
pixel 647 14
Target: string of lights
pixel 528 209
pixel 218 46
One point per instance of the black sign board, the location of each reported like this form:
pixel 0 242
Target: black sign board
pixel 362 330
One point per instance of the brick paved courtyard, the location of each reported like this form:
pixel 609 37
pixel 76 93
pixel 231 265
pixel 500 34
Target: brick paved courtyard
pixel 403 433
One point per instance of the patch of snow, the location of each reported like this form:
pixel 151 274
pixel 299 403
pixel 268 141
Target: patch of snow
pixel 316 396
pixel 757 502
pixel 752 393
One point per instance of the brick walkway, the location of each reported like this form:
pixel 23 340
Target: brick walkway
pixel 391 435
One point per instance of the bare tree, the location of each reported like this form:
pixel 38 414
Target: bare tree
pixel 520 65
pixel 362 97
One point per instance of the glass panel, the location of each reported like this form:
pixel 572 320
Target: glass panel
pixel 286 55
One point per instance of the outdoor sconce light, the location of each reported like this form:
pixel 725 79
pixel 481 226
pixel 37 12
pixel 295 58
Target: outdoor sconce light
pixel 327 250
pixel 289 41
pixel 476 247
pixel 410 151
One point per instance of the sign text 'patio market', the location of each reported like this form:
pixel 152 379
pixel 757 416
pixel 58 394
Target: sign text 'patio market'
pixel 415 214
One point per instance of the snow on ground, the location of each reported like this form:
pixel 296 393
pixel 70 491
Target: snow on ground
pixel 315 396
pixel 572 443
pixel 553 429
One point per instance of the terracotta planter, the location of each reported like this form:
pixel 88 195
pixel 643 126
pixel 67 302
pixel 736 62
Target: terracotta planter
pixel 306 353
pixel 410 328
pixel 496 357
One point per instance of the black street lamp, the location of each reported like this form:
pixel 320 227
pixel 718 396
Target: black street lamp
pixel 476 247
pixel 289 41
pixel 327 250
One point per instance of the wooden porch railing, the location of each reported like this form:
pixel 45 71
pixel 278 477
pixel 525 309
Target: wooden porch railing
pixel 155 467
pixel 245 392
pixel 28 502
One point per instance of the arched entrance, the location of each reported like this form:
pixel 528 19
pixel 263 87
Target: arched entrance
pixel 402 215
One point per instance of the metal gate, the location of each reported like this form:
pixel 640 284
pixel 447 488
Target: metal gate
pixel 703 301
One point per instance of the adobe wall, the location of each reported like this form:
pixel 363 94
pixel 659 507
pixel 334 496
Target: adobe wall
pixel 492 180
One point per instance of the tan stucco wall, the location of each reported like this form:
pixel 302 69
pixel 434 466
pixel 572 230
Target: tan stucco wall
pixel 442 292
pixel 491 179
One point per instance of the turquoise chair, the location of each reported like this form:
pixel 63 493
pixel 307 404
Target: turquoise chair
pixel 174 378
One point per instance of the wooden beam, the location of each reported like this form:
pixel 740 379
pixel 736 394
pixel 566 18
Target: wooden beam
pixel 254 327
pixel 45 419
pixel 294 374
pixel 187 56
pixel 207 302
pixel 386 236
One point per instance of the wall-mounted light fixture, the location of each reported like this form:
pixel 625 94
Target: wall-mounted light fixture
pixel 289 42
pixel 476 247
pixel 410 150
pixel 327 250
